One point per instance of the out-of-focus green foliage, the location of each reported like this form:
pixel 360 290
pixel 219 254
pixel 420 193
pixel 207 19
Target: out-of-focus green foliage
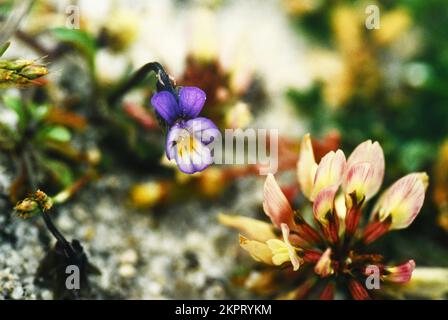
pixel 80 39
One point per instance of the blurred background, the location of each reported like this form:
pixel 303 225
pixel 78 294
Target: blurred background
pixel 294 65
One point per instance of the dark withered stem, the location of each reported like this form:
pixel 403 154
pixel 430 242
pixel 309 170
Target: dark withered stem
pixel 58 235
pixel 48 222
pixel 163 83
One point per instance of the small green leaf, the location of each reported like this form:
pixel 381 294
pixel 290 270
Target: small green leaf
pixel 57 133
pixel 15 104
pixel 40 111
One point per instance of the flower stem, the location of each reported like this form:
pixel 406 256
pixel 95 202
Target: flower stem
pixel 58 235
pixel 163 83
pixel 48 222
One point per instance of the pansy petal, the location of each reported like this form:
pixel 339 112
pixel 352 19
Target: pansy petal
pixel 403 200
pixel 275 204
pixel 173 136
pixel 306 166
pixel 329 172
pixel 166 106
pixel 259 251
pixel 191 101
pixel 371 153
pixel 324 203
pixel 358 179
pixel 201 156
pixel 204 129
pixel 401 273
pixel 183 162
pixel 192 156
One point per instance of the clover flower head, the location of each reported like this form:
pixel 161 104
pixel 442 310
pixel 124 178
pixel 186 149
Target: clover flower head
pixel 189 136
pixel 336 241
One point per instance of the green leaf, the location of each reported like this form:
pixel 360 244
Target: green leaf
pixel 4 47
pixel 82 40
pixel 39 111
pixel 57 133
pixel 15 104
pixel 60 171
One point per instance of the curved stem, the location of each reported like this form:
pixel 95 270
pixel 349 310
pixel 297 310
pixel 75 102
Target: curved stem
pixel 163 83
pixel 57 234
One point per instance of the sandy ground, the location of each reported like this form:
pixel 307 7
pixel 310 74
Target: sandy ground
pixel 178 252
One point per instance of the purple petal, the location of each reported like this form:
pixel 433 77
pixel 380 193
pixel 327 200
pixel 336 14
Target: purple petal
pixel 204 129
pixel 166 105
pixel 191 101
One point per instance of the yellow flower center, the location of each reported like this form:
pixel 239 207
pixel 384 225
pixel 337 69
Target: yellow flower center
pixel 186 144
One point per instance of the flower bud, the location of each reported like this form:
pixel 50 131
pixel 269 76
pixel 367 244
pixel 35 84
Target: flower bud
pixel 401 273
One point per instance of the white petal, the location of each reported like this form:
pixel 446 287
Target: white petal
pixel 275 204
pixel 371 153
pixel 403 200
pixel 329 172
pixel 306 166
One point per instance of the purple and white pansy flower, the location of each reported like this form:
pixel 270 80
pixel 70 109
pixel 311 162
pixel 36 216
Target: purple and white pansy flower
pixel 189 136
